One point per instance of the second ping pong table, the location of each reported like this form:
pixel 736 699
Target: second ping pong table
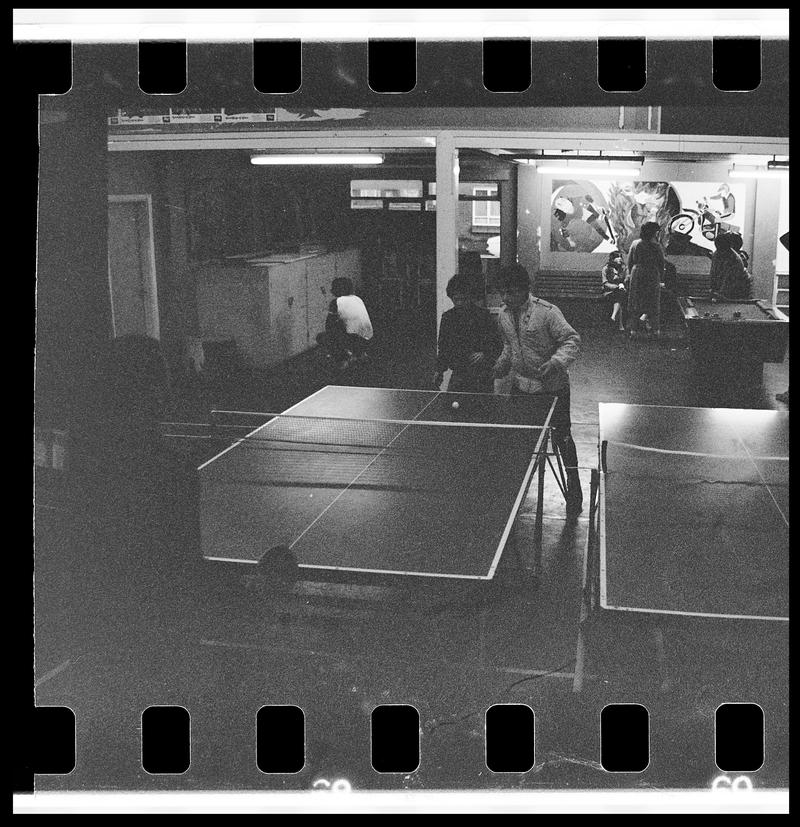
pixel 374 481
pixel 689 518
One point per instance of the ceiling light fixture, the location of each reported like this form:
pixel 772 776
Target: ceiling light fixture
pixel 773 169
pixel 318 159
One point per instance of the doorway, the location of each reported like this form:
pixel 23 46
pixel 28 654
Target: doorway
pixel 132 266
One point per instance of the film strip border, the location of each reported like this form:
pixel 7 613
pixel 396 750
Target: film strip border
pixel 396 735
pixel 715 71
pixel 685 74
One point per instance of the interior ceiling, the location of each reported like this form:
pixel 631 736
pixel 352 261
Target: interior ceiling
pixel 417 158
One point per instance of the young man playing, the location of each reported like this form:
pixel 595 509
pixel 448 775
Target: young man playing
pixel 539 347
pixel 469 341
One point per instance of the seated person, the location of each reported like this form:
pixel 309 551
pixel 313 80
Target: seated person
pixel 469 341
pixel 615 291
pixel 728 276
pixel 348 329
pixel 736 244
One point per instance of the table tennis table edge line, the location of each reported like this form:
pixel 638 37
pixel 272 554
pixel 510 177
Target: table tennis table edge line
pixel 402 573
pixel 601 536
pixel 233 560
pixel 350 568
pixel 263 424
pixel 690 407
pixel 696 453
pixel 674 612
pixel 532 465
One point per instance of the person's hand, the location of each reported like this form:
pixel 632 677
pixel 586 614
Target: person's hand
pixel 498 371
pixel 475 358
pixel 550 372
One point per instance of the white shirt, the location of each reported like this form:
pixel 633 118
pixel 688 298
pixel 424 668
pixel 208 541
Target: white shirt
pixel 353 313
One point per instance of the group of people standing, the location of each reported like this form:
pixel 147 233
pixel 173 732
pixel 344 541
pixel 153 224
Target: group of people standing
pixel 634 289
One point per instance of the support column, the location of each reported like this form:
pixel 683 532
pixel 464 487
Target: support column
pixel 765 244
pixel 446 217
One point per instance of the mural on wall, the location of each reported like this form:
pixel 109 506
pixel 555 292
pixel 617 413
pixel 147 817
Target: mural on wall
pixel 600 216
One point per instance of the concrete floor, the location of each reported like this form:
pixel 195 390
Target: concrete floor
pixel 224 649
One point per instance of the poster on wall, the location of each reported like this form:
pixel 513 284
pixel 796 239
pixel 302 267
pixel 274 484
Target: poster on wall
pixel 599 216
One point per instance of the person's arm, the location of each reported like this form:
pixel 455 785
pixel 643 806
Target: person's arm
pixel 491 341
pixel 567 343
pixel 662 264
pixel 503 364
pixel 632 255
pixel 444 360
pixel 332 322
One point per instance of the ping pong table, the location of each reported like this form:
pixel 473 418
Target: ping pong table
pixel 689 517
pixel 380 482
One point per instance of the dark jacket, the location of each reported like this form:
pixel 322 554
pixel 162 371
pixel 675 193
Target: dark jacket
pixel 466 330
pixel 728 275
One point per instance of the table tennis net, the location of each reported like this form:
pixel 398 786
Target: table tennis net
pixel 321 451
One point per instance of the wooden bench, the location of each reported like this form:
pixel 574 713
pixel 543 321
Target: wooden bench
pixel 579 295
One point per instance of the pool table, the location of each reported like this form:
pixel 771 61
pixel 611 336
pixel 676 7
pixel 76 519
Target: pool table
pixel 731 340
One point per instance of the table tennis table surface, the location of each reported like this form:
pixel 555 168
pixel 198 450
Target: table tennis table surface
pixel 694 511
pixel 377 481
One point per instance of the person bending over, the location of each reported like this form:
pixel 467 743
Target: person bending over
pixel 539 345
pixel 348 329
pixel 469 342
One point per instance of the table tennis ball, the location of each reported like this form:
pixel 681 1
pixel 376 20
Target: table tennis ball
pixel 455 406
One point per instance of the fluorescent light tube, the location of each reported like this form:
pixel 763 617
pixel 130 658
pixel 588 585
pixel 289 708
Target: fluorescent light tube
pixel 318 158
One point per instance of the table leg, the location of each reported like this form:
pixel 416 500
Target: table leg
pixel 587 584
pixel 540 505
